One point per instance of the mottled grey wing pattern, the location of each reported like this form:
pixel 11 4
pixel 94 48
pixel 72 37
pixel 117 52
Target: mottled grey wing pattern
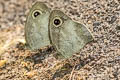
pixel 67 36
pixel 36 27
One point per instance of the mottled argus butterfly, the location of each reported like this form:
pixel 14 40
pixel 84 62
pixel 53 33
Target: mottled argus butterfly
pixel 44 28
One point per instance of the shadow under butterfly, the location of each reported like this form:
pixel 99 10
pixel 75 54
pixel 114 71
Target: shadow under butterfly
pixel 54 28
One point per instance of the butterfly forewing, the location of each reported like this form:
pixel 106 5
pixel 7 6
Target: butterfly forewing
pixel 36 27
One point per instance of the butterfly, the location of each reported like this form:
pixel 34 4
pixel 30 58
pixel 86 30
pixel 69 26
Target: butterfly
pixel 45 27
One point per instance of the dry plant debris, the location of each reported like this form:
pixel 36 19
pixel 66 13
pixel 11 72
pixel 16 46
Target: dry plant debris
pixel 2 62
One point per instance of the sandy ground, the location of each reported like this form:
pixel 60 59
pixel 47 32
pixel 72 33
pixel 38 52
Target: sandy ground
pixel 98 60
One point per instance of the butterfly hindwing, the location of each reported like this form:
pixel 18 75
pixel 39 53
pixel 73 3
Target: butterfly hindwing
pixel 67 36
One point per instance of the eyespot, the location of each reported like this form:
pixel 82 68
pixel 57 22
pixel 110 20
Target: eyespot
pixel 57 21
pixel 36 13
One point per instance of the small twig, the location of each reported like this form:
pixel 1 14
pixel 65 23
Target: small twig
pixel 72 72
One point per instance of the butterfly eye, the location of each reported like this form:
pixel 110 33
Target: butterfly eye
pixel 36 13
pixel 57 21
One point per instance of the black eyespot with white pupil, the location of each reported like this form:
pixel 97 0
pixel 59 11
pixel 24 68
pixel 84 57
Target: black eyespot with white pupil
pixel 57 22
pixel 37 13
